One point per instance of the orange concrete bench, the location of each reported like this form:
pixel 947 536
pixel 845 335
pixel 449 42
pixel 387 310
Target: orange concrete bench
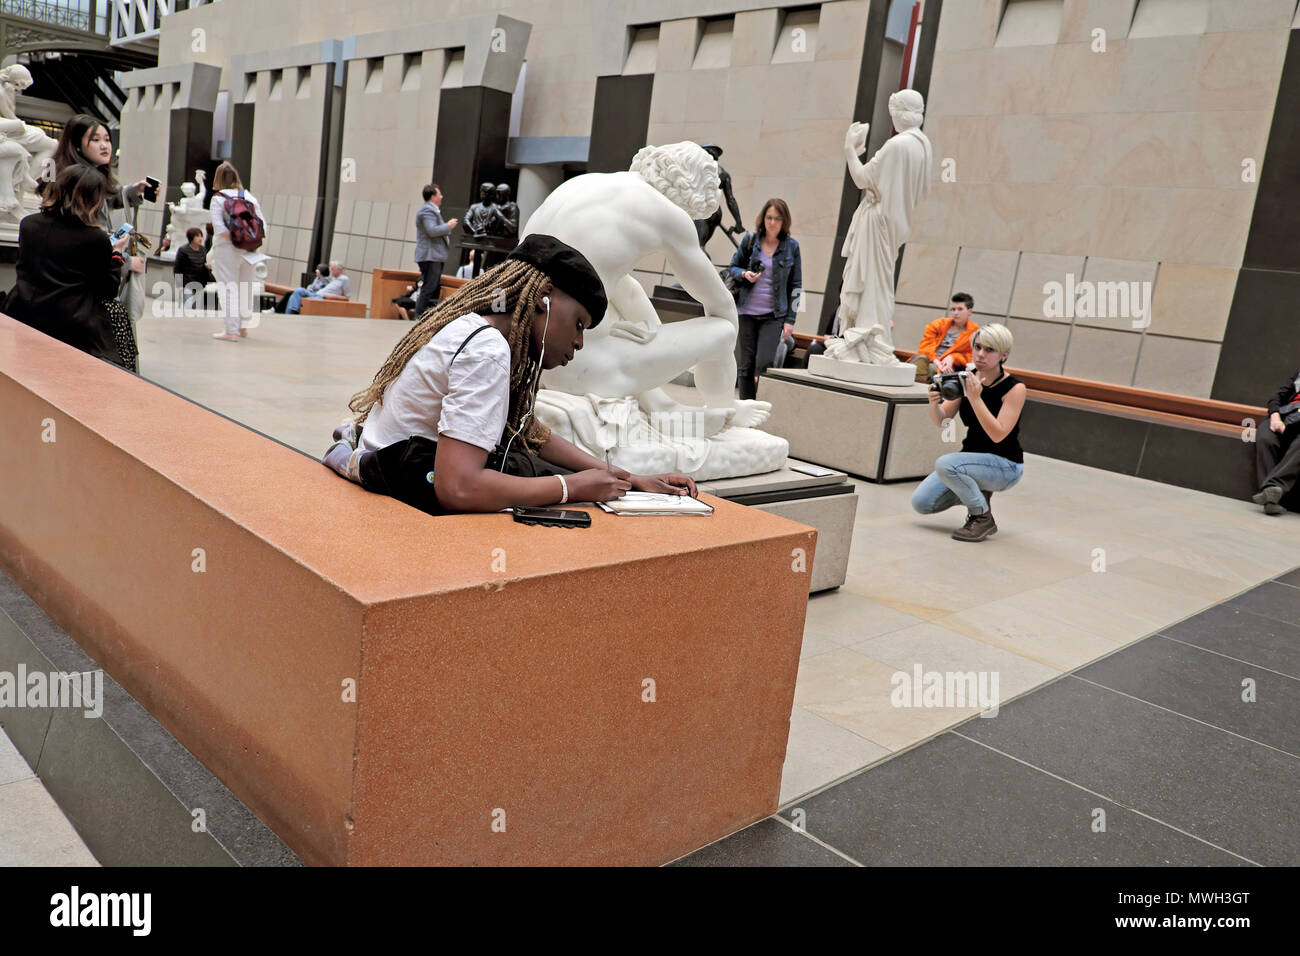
pixel 384 687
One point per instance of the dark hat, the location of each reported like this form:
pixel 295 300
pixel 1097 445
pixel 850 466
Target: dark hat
pixel 567 268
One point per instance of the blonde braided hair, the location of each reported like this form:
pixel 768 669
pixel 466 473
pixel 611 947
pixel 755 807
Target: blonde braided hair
pixel 514 283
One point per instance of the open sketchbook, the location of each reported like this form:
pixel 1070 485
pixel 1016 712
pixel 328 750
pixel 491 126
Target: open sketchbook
pixel 649 503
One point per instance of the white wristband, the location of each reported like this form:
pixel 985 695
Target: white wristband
pixel 565 485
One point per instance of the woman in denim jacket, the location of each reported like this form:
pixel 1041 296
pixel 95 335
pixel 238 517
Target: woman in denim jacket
pixel 771 283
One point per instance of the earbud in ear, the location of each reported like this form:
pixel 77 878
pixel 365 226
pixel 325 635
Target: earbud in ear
pixel 547 300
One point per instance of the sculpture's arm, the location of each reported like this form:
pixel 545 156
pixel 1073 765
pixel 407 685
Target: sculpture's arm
pixel 731 201
pixel 696 272
pixel 857 171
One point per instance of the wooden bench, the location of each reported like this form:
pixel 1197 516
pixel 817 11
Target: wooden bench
pixel 457 690
pixel 387 284
pixel 335 305
pixel 1182 440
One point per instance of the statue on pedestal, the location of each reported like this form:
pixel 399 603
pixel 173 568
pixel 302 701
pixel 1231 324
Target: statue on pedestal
pixel 478 219
pixel 25 151
pixel 612 392
pixel 706 227
pixel 505 214
pixel 892 183
pixel 186 214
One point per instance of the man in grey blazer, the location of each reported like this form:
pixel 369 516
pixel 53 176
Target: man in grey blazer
pixel 430 246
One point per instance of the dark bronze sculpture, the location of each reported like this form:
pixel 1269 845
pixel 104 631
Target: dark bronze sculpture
pixel 505 215
pixel 478 219
pixel 705 227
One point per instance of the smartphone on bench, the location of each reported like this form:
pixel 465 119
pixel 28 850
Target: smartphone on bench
pixel 553 517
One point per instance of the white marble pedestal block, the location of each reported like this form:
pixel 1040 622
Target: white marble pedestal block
pixel 828 503
pixel 877 432
pixel 860 372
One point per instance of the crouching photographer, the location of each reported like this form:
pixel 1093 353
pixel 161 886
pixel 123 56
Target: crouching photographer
pixel 989 402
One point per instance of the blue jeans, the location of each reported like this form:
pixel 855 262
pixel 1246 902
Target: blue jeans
pixel 296 297
pixel 964 477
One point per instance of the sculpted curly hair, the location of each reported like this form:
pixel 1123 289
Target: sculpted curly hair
pixel 684 173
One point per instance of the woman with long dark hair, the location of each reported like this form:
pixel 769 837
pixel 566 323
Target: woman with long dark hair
pixel 67 267
pixel 85 140
pixel 448 424
pixel 769 264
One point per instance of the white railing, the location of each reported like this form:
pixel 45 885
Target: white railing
pixel 134 20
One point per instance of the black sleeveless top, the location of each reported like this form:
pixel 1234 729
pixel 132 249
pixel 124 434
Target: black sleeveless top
pixel 977 439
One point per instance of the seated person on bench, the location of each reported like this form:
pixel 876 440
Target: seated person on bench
pixel 448 423
pixel 1277 453
pixel 405 303
pixel 337 286
pixel 318 283
pixel 990 458
pixel 945 343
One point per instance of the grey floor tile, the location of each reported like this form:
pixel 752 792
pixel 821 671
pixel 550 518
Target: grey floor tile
pixel 1243 635
pixel 1233 793
pixel 1278 601
pixel 1291 577
pixel 766 843
pixel 1208 687
pixel 951 802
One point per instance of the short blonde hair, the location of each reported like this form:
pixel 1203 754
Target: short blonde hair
pixel 994 336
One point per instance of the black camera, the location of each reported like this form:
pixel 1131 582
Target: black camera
pixel 950 385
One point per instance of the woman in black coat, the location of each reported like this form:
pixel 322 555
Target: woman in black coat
pixel 67 265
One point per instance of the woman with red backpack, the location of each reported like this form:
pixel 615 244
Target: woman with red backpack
pixel 238 228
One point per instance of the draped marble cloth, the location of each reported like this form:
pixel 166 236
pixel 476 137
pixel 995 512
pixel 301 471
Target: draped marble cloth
pixel 648 446
pixel 892 183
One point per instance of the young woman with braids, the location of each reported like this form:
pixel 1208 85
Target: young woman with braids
pixel 447 424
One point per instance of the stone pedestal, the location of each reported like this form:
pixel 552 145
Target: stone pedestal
pixel 828 503
pixel 893 375
pixel 878 432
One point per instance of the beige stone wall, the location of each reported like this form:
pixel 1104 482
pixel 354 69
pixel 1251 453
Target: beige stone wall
pixel 389 131
pixel 145 133
pixel 1122 165
pixel 777 108
pixel 286 162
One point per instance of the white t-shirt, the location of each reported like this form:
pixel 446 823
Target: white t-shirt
pixel 471 405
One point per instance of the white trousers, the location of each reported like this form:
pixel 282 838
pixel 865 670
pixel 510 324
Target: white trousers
pixel 234 285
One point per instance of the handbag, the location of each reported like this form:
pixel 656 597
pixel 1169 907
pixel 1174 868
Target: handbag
pixel 729 278
pixel 119 321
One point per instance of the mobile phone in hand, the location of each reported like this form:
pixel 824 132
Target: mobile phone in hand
pixel 121 231
pixel 151 191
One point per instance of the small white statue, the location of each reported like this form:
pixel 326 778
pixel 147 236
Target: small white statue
pixel 25 151
pixel 186 214
pixel 892 183
pixel 617 220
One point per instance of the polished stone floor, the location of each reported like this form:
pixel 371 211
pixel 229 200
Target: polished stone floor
pixel 1180 750
pixel 1085 561
pixel 33 830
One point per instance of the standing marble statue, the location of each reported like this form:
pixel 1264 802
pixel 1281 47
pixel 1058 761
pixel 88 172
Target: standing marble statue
pixel 186 214
pixel 25 151
pixel 617 220
pixel 892 183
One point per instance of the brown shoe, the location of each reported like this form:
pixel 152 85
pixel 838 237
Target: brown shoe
pixel 976 528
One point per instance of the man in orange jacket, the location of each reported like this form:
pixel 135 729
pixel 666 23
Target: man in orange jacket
pixel 945 344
